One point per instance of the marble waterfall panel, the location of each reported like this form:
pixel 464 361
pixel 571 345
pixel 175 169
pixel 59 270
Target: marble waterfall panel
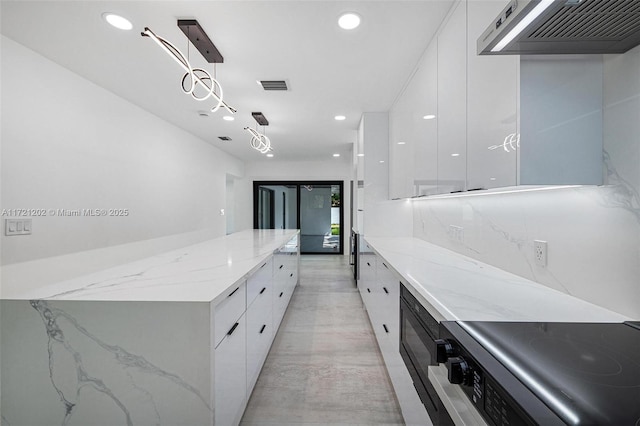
pixel 105 363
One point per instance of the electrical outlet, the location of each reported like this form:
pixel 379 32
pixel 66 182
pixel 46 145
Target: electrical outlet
pixel 456 233
pixel 540 252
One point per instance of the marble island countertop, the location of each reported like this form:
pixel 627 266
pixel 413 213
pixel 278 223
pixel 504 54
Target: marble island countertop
pixel 197 273
pixel 460 288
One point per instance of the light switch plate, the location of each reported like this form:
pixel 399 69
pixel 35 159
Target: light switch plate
pixel 17 227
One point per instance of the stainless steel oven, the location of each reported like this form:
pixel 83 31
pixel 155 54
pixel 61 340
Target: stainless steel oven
pixel 418 332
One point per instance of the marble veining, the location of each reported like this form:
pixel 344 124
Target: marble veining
pixel 201 272
pixel 592 234
pixel 79 360
pixel 624 195
pixel 521 244
pixel 462 288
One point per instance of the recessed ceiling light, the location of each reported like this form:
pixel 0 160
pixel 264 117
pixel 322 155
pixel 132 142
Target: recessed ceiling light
pixel 402 143
pixel 336 155
pixel 228 118
pixel 360 155
pixel 381 161
pixel 117 21
pixel 492 178
pixel 349 21
pixel 429 117
pixel 340 117
pixel 455 155
pixel 270 155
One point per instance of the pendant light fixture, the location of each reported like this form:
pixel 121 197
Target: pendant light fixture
pixel 259 141
pixel 195 77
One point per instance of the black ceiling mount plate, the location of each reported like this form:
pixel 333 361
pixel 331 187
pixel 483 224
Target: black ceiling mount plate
pixel 260 118
pixel 200 40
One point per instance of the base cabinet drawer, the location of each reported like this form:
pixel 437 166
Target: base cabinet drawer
pixel 230 375
pixel 227 312
pixel 262 279
pixel 260 333
pixel 281 298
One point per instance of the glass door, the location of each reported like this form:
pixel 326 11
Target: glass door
pixel 276 207
pixel 320 219
pixel 314 207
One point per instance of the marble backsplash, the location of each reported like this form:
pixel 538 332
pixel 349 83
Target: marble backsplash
pixel 593 236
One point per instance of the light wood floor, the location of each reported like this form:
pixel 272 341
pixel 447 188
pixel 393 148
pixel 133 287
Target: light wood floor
pixel 324 367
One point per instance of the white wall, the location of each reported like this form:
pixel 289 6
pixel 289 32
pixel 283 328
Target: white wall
pixel 593 233
pixel 69 144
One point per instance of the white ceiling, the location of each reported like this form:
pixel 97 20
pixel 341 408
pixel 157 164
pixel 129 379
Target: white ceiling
pixel 330 71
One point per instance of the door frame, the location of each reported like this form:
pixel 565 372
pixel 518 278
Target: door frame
pixel 298 184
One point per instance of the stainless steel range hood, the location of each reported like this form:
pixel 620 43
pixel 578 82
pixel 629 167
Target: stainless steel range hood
pixel 527 27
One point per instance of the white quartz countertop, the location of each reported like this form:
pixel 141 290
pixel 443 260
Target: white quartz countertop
pixel 461 288
pixel 197 273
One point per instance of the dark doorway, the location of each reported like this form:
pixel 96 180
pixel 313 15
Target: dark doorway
pixel 314 207
pixel 266 209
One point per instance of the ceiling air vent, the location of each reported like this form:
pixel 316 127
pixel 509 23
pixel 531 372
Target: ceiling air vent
pixel 274 84
pixel 224 138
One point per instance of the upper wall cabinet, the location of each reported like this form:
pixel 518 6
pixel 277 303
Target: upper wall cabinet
pixel 452 102
pixel 498 121
pixel 492 107
pixel 413 133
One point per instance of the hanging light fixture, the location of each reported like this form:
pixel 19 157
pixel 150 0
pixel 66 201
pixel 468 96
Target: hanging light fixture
pixel 259 141
pixel 195 77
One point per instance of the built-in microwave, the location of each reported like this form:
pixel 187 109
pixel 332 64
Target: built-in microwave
pixel 418 332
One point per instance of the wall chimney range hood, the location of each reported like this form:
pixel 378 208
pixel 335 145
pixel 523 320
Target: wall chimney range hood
pixel 529 27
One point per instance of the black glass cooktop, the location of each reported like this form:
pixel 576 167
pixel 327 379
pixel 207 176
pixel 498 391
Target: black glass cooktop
pixel 587 373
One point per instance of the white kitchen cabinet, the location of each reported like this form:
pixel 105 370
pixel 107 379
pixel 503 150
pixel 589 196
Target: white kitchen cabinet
pixel 492 106
pixel 230 375
pixel 452 102
pixel 261 280
pixel 500 120
pixel 246 322
pixel 259 315
pixel 413 139
pixel 379 287
pixel 227 312
pixel 367 277
pixel 373 167
pixel 285 278
pixel 386 320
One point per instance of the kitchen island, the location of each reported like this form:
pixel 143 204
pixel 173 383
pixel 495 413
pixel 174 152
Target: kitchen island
pixel 177 338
